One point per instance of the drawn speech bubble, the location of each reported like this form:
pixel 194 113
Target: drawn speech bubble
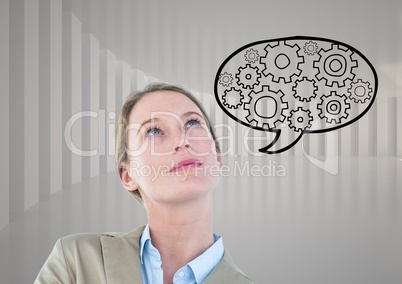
pixel 297 84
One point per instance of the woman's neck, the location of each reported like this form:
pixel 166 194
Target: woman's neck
pixel 181 232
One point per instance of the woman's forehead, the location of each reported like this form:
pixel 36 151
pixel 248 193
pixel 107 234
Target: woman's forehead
pixel 162 101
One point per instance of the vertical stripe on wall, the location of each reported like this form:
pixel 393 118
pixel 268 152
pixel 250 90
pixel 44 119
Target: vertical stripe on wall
pixel 24 99
pixel 90 87
pixel 399 126
pixel 108 105
pixel 44 97
pixel 382 126
pixel 86 103
pixel 50 90
pixel 31 97
pixel 4 113
pixel 90 105
pixel 66 97
pixel 345 141
pixel 123 84
pixel 354 137
pixel 372 122
pixel 363 133
pixel 56 92
pixel 76 97
pixel 16 103
pixel 133 80
pixel 72 101
pixel 392 124
pixel 141 83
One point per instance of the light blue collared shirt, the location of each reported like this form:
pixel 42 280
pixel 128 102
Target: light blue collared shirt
pixel 194 272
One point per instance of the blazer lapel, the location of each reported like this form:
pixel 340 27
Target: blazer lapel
pixel 226 272
pixel 121 257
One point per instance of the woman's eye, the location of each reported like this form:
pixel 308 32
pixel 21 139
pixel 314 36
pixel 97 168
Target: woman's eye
pixel 153 131
pixel 193 122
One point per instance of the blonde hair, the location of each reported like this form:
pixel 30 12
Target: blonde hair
pixel 123 122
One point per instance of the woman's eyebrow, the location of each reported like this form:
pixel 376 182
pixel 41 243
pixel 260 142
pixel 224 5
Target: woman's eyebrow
pixel 189 113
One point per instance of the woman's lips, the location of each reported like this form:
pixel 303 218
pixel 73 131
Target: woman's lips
pixel 186 164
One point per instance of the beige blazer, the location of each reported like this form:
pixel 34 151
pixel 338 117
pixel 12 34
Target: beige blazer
pixel 114 259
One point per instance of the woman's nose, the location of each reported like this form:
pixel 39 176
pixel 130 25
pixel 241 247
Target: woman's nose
pixel 181 140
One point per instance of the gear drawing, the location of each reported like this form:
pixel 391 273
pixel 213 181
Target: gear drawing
pixel 273 105
pixel 305 89
pixel 335 65
pixel 252 55
pixel 300 119
pixel 225 79
pixel 282 61
pixel 232 98
pixel 334 107
pixel 310 47
pixel 248 76
pixel 360 91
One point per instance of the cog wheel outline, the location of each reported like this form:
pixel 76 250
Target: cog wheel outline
pixel 227 93
pixel 292 54
pixel 297 94
pixel 225 75
pixel 354 86
pixel 323 65
pixel 254 97
pixel 333 97
pixel 310 44
pixel 249 52
pixel 297 125
pixel 242 79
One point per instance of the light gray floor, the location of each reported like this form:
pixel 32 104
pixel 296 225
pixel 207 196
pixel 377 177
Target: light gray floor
pixel 307 227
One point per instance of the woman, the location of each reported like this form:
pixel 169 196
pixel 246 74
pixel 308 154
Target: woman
pixel 168 158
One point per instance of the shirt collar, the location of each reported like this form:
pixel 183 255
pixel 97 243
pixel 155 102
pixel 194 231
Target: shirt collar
pixel 145 237
pixel 202 265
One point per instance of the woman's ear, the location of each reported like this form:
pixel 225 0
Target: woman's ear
pixel 128 181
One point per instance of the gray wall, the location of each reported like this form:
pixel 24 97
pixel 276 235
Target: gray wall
pixel 58 78
pixel 61 59
pixel 62 62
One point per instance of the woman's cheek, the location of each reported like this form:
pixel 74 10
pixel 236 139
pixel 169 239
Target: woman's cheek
pixel 199 134
pixel 156 145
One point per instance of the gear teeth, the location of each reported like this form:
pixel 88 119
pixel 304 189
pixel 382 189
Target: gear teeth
pixel 234 96
pixel 300 88
pixel 248 77
pixel 261 120
pixel 225 79
pixel 277 72
pixel 312 44
pixel 360 84
pixel 305 122
pixel 341 56
pixel 249 118
pixel 333 99
pixel 251 55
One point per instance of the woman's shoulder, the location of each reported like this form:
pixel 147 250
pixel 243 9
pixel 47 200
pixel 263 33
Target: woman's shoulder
pixel 87 256
pixel 96 239
pixel 227 272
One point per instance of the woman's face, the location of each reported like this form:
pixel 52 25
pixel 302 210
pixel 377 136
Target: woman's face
pixel 171 152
